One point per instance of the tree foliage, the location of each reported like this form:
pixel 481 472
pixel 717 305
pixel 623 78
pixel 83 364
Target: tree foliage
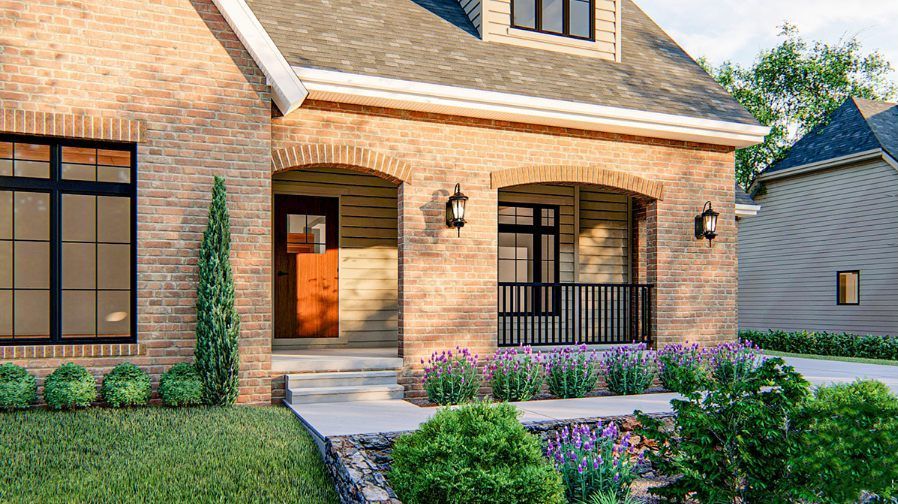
pixel 217 321
pixel 795 86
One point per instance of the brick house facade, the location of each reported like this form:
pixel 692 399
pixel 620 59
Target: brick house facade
pixel 189 84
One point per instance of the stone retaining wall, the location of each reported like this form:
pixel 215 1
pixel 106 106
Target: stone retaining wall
pixel 359 463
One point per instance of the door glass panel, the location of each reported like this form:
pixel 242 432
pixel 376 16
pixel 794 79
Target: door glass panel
pixel 113 219
pixel 79 315
pixel 32 314
pixel 32 265
pixel 113 266
pixel 79 218
pixel 113 313
pixel 306 234
pixel 32 216
pixel 79 266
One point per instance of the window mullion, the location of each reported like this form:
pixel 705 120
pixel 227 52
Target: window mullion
pixel 55 246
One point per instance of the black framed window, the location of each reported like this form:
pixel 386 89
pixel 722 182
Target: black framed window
pixel 67 241
pixel 528 243
pixel 569 18
pixel 848 287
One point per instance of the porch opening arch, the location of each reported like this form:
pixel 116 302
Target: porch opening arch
pixel 349 157
pixel 587 174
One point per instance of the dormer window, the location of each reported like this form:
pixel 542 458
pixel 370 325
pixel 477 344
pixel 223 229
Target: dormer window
pixel 568 18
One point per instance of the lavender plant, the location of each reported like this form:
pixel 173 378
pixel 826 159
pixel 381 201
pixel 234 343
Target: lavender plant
pixel 451 378
pixel 629 369
pixel 682 368
pixel 572 372
pixel 593 462
pixel 515 374
pixel 732 362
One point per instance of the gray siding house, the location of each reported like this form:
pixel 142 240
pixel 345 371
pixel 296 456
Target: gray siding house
pixel 822 253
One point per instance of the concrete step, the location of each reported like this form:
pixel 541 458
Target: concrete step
pixel 317 395
pixel 342 379
pixel 295 363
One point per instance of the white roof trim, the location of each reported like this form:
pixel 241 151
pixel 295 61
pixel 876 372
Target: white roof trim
pixel 287 91
pixel 329 85
pixel 743 210
pixel 890 160
pixel 822 165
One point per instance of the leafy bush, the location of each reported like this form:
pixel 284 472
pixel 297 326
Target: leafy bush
pixel 181 386
pixel 217 321
pixel 851 443
pixel 735 442
pixel 18 389
pixel 592 462
pixel 70 386
pixel 682 368
pixel 451 378
pixel 823 343
pixel 730 362
pixel 629 369
pixel 515 375
pixel 477 453
pixel 572 372
pixel 126 385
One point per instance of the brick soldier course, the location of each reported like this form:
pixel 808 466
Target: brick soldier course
pixel 174 78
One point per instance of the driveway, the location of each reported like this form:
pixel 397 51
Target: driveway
pixel 826 372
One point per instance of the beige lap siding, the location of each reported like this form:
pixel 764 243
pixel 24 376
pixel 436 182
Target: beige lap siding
pixel 604 252
pixel 369 267
pixel 177 69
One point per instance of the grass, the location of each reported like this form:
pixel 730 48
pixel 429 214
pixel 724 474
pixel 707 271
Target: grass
pixel 859 360
pixel 238 454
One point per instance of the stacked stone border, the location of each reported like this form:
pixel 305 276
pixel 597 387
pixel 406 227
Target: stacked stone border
pixel 358 464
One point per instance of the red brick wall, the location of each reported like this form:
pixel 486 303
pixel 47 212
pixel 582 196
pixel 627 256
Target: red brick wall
pixel 448 283
pixel 176 66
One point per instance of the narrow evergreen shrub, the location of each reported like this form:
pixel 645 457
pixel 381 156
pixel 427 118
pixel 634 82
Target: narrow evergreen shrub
pixel 70 386
pixel 217 321
pixel 451 378
pixel 629 369
pixel 477 453
pixel 572 372
pixel 515 375
pixel 126 385
pixel 18 389
pixel 681 368
pixel 181 386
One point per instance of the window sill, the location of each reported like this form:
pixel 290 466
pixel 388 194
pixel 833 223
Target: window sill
pixel 71 351
pixel 552 39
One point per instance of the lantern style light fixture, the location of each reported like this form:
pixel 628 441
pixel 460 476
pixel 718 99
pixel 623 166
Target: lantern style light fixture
pixel 706 224
pixel 455 209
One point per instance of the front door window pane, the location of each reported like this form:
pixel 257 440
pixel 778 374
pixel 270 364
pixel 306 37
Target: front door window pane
pixel 306 234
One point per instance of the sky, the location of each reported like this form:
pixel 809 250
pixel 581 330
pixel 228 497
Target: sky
pixel 736 30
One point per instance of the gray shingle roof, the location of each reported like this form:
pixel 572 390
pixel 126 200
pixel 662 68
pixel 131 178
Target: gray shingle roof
pixel 857 126
pixel 433 41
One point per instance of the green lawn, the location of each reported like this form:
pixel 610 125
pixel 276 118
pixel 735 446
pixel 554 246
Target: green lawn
pixel 859 360
pixel 238 454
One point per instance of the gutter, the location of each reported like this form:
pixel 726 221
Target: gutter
pixel 329 85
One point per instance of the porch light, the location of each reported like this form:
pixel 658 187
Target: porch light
pixel 706 223
pixel 455 209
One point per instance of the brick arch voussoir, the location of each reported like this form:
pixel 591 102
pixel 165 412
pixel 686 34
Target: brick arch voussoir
pixel 591 175
pixel 360 159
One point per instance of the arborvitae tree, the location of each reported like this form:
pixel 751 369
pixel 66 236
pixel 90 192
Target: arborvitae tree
pixel 217 321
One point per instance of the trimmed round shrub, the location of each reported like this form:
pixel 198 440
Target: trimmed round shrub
pixel 477 453
pixel 451 378
pixel 70 386
pixel 18 389
pixel 629 369
pixel 181 386
pixel 126 385
pixel 515 375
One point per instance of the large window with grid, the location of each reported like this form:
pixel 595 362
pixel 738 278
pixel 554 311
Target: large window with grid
pixel 67 241
pixel 569 18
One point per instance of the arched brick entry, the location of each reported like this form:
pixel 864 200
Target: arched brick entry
pixel 344 156
pixel 579 175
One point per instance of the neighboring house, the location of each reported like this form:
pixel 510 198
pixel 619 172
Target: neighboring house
pixel 822 254
pixel 585 139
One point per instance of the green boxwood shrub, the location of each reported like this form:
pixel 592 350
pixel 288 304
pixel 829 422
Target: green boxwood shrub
pixel 126 385
pixel 477 453
pixel 181 386
pixel 824 343
pixel 18 389
pixel 70 386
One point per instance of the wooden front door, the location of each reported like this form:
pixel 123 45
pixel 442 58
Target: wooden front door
pixel 306 257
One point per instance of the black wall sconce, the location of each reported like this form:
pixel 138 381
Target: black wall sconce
pixel 706 224
pixel 455 209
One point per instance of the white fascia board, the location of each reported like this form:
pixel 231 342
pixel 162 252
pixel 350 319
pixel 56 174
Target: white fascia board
pixel 287 91
pixel 743 210
pixel 890 160
pixel 823 165
pixel 329 85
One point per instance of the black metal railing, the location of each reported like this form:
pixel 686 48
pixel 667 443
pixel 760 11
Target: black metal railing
pixel 541 314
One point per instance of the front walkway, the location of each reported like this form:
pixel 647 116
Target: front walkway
pixel 368 417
